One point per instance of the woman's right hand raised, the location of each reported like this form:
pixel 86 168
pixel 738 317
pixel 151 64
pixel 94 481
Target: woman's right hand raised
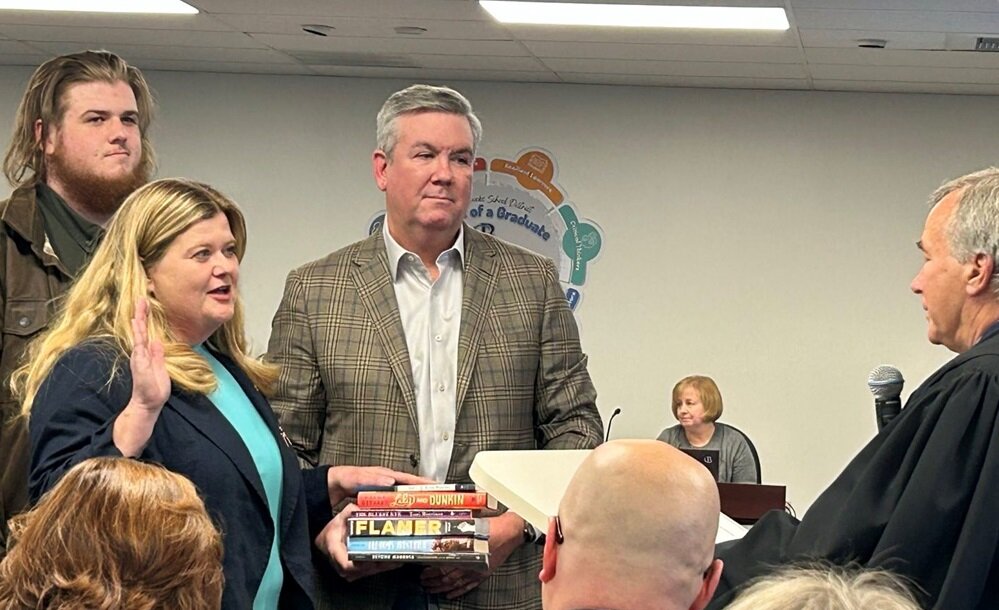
pixel 150 381
pixel 150 388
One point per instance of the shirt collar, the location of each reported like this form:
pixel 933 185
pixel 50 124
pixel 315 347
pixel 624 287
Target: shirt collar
pixel 990 331
pixel 396 252
pixel 73 237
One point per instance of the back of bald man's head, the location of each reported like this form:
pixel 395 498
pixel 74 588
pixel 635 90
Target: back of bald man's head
pixel 643 515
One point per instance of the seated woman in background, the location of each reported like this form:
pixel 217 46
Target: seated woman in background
pixel 114 534
pixel 148 358
pixel 697 405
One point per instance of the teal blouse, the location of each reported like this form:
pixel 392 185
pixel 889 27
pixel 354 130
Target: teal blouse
pixel 233 403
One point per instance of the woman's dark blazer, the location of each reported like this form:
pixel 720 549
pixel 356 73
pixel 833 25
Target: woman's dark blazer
pixel 72 419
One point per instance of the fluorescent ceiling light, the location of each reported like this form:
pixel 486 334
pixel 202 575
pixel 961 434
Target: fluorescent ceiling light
pixel 637 15
pixel 102 6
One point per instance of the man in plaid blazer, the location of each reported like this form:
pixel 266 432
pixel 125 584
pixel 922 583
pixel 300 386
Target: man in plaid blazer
pixel 424 344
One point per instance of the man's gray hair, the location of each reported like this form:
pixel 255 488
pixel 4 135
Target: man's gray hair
pixel 422 98
pixel 974 226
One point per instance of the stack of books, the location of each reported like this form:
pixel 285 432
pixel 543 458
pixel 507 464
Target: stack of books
pixel 433 524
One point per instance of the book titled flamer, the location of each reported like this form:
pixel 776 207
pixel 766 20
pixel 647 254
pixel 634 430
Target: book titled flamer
pixel 425 499
pixel 402 527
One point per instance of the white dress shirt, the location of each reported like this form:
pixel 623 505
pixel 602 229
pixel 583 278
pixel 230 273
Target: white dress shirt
pixel 431 319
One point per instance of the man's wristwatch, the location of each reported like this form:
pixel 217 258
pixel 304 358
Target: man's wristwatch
pixel 532 535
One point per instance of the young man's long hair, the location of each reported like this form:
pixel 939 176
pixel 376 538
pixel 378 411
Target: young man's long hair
pixel 44 100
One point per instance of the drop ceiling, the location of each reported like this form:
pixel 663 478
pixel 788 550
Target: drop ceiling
pixel 928 45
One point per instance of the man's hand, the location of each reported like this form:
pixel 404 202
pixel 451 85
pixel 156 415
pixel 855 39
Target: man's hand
pixel 343 481
pixel 332 541
pixel 506 533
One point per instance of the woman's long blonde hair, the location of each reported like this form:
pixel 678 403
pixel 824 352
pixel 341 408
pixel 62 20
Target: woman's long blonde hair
pixel 101 303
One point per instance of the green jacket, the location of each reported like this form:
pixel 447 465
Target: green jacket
pixel 31 279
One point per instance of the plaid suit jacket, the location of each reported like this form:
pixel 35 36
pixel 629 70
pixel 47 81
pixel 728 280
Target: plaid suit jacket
pixel 345 395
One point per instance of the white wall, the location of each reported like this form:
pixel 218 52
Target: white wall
pixel 764 238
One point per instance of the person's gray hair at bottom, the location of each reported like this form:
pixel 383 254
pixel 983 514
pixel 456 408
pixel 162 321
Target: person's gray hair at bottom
pixel 827 587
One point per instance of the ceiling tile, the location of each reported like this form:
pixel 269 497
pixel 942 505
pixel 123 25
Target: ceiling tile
pixel 199 22
pixel 664 52
pixel 437 76
pixel 895 40
pixel 194 38
pixel 905 87
pixel 15 47
pixel 364 26
pixel 898 21
pixel 222 66
pixel 915 59
pixel 464 42
pixel 904 74
pixel 493 63
pixel 397 44
pixel 677 68
pixel 139 52
pixel 650 80
pixel 912 5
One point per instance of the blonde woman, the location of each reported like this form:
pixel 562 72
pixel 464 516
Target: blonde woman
pixel 697 405
pixel 114 534
pixel 148 359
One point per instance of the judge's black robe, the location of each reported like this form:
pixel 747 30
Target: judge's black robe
pixel 921 499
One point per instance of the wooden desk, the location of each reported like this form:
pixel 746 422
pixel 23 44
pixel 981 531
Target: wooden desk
pixel 746 503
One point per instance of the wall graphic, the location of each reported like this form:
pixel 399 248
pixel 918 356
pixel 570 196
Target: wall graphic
pixel 520 201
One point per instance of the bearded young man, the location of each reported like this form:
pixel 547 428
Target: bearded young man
pixel 80 146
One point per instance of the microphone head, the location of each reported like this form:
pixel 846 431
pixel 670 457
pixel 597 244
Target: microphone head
pixel 885 382
pixel 616 411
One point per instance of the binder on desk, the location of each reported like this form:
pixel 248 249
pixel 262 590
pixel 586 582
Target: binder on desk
pixel 531 483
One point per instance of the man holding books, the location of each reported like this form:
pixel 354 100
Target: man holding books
pixel 424 344
pixel 635 529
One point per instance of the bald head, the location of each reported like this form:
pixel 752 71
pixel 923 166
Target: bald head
pixel 639 520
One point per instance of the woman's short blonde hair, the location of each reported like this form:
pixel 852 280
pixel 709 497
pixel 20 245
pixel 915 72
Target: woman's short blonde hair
pixel 707 389
pixel 114 534
pixel 827 588
pixel 101 303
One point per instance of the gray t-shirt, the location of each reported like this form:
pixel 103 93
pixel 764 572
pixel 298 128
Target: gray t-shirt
pixel 736 463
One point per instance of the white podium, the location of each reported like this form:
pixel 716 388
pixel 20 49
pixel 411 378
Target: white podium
pixel 531 484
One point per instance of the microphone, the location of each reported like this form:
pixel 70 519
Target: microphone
pixel 610 421
pixel 885 382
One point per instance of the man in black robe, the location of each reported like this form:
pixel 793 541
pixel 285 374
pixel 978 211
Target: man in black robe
pixel 922 498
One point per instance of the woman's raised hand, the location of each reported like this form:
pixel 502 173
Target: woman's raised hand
pixel 150 381
pixel 150 388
